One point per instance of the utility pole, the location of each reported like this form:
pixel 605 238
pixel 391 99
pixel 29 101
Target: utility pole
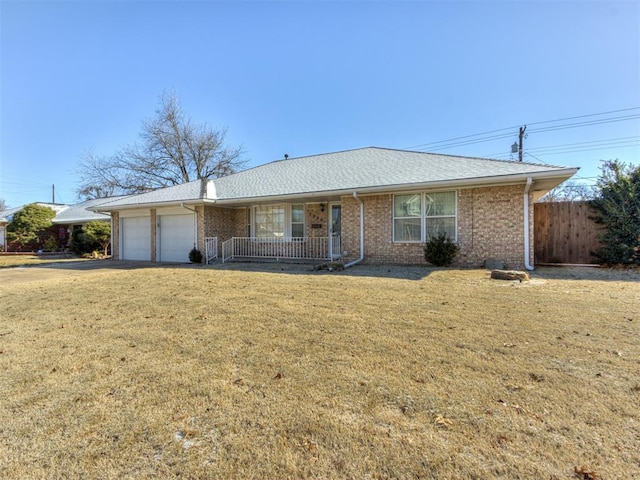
pixel 53 194
pixel 521 136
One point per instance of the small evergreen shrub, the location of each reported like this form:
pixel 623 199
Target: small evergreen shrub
pixel 195 256
pixel 440 250
pixel 617 208
pixel 50 245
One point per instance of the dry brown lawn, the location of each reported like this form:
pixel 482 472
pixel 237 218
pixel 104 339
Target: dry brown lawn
pixel 9 261
pixel 281 372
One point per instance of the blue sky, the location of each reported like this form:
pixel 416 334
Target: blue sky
pixel 309 77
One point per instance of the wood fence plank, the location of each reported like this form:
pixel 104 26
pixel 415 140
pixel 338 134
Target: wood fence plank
pixel 564 232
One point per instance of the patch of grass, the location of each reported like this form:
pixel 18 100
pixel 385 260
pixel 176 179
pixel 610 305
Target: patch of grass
pixel 222 373
pixel 8 261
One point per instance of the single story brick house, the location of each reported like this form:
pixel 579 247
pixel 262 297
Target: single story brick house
pixel 6 217
pixel 371 205
pixel 74 217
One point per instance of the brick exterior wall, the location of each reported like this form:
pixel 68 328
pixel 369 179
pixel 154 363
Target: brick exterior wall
pixel 314 215
pixel 115 235
pixel 200 227
pixel 223 223
pixel 490 225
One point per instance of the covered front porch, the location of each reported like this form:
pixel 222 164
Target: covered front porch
pixel 278 248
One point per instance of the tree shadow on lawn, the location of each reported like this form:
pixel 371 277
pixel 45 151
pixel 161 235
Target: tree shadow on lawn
pixel 588 273
pixel 402 272
pixel 419 272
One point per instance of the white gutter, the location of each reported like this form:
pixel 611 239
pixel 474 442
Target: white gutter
pixel 527 260
pixel 358 260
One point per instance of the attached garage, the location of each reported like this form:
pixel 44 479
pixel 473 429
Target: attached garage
pixel 135 238
pixel 176 236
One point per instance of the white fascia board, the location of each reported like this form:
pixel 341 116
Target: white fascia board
pixel 75 221
pixel 132 206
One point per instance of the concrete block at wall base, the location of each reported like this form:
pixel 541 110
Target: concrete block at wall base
pixel 493 264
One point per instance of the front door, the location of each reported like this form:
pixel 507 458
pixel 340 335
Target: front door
pixel 335 229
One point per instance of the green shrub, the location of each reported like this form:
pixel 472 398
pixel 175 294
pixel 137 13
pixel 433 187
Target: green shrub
pixel 98 233
pixel 30 224
pixel 440 250
pixel 617 208
pixel 50 245
pixel 195 256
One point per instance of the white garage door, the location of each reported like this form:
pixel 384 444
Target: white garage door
pixel 136 238
pixel 177 237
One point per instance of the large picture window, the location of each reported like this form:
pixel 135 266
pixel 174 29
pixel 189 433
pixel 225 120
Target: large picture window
pixel 269 221
pixel 419 216
pixel 440 214
pixel 407 212
pixel 279 221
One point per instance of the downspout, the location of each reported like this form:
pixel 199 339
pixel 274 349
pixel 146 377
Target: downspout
pixel 358 260
pixel 195 224
pixel 527 260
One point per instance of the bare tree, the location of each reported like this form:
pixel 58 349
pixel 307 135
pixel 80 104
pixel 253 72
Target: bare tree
pixel 171 150
pixel 3 205
pixel 570 192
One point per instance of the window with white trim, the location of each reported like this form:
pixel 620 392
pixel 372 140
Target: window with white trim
pixel 269 221
pixel 279 221
pixel 419 216
pixel 407 213
pixel 440 214
pixel 297 221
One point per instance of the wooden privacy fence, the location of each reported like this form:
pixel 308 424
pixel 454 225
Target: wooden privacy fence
pixel 564 233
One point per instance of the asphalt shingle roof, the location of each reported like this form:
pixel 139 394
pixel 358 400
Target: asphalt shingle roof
pixel 364 168
pixel 80 213
pixel 185 192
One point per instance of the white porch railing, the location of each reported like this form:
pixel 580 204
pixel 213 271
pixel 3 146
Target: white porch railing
pixel 210 248
pixel 336 248
pixel 320 248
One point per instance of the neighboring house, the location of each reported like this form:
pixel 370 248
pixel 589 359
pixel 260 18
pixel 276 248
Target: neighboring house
pixel 6 217
pixel 75 216
pixel 371 204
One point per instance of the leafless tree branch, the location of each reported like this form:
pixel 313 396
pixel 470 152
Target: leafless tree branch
pixel 171 150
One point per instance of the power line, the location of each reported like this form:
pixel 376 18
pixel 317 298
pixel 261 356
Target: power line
pixel 505 155
pixel 471 142
pixel 469 139
pixel 584 116
pixel 584 124
pixel 609 141
pixel 547 129
pixel 587 149
pixel 460 138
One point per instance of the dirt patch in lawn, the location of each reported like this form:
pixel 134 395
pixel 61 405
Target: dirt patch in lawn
pixel 230 372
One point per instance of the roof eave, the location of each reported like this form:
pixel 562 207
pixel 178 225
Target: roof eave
pixel 133 206
pixel 68 221
pixel 500 180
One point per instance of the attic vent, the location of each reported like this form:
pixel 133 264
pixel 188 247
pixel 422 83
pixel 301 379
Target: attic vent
pixel 286 156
